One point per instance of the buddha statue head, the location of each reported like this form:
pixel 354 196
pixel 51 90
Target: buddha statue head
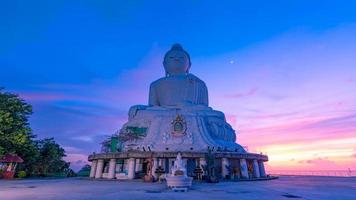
pixel 176 61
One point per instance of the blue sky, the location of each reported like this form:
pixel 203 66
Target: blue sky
pixel 273 67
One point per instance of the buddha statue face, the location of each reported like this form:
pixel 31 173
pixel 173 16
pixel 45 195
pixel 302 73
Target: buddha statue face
pixel 176 61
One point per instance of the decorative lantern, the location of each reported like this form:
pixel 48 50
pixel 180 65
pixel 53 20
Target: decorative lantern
pixel 198 171
pixel 159 171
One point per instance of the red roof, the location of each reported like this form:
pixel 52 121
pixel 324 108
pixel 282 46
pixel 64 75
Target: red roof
pixel 11 158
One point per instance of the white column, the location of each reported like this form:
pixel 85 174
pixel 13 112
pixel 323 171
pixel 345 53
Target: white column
pixel 112 166
pixel 99 169
pixel 262 168
pixel 154 167
pixel 93 168
pixel 243 168
pixel 256 170
pixel 224 165
pixel 131 170
pixel 137 165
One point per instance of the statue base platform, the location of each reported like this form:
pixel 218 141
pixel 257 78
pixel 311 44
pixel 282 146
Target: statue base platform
pixel 179 181
pixel 185 128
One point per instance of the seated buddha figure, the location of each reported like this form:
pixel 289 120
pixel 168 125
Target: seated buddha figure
pixel 180 92
pixel 179 87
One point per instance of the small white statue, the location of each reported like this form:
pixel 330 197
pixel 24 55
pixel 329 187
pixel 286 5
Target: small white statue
pixel 178 169
pixel 178 179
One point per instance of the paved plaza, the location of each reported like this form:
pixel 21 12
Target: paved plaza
pixel 286 187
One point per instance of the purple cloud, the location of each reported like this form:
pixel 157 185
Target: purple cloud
pixel 249 93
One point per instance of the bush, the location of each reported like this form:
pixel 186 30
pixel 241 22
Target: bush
pixel 85 171
pixel 21 174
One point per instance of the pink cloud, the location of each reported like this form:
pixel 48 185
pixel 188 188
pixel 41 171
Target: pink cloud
pixel 41 96
pixel 351 80
pixel 249 93
pixel 77 161
pixel 318 161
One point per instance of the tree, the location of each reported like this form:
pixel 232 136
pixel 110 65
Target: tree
pixel 85 171
pixel 41 157
pixel 15 133
pixel 50 160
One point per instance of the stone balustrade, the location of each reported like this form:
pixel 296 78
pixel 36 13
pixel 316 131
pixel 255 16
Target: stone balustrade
pixel 133 163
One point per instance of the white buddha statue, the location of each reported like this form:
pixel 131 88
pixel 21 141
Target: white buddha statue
pixel 178 177
pixel 179 167
pixel 178 116
pixel 179 87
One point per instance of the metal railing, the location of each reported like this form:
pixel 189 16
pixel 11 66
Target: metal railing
pixel 340 173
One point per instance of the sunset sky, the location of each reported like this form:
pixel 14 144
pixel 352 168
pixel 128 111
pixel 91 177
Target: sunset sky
pixel 284 72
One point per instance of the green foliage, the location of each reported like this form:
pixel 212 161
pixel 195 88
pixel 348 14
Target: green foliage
pixel 113 144
pixel 68 172
pixel 132 133
pixel 15 133
pixel 85 171
pixel 50 157
pixel 21 174
pixel 138 131
pixel 41 157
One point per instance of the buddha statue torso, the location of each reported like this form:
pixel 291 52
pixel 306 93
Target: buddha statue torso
pixel 178 90
pixel 178 116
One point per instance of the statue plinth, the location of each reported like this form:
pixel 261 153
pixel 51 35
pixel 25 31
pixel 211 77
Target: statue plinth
pixel 180 129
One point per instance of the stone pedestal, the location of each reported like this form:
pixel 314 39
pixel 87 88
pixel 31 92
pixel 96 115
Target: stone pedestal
pixel 99 169
pixel 93 168
pixel 224 165
pixel 262 169
pixel 131 168
pixel 112 166
pixel 256 170
pixel 178 178
pixel 243 168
